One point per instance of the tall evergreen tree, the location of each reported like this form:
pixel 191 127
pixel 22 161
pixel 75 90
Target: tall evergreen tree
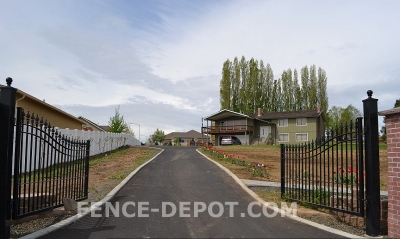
pixel 225 86
pixel 252 86
pixel 297 90
pixel 268 89
pixel 291 90
pixel 243 85
pixel 247 85
pixel 285 92
pixel 276 96
pixel 261 81
pixel 305 87
pixel 312 93
pixel 235 86
pixel 321 89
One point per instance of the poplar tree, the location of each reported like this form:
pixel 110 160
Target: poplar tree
pixel 291 90
pixel 244 86
pixel 277 96
pixel 225 86
pixel 252 90
pixel 235 104
pixel 247 85
pixel 312 91
pixel 321 89
pixel 285 92
pixel 261 82
pixel 305 87
pixel 297 91
pixel 268 89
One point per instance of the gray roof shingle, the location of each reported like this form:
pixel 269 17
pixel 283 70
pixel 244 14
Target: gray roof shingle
pixel 287 115
pixel 190 134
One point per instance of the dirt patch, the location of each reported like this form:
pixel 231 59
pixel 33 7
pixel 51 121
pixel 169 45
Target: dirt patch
pixel 106 171
pixel 270 157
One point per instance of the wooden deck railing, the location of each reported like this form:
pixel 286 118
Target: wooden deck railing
pixel 226 129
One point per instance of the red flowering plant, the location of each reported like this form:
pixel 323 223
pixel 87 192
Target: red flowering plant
pixel 347 177
pixel 259 170
pixel 256 168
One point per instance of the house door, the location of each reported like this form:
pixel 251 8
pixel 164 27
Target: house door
pixel 265 131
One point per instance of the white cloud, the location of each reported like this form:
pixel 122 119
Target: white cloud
pixel 165 58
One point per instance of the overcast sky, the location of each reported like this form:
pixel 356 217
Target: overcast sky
pixel 161 61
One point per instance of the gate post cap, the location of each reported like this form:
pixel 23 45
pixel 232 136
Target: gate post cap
pixel 9 80
pixel 369 93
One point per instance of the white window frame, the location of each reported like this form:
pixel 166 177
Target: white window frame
pixel 283 134
pixel 284 120
pixel 297 122
pixel 302 140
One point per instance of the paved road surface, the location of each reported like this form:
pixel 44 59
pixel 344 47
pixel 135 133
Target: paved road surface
pixel 176 176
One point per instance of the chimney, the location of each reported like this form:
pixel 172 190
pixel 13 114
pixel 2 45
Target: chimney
pixel 259 112
pixel 318 108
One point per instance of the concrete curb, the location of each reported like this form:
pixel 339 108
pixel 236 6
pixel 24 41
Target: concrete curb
pixel 282 212
pixel 93 207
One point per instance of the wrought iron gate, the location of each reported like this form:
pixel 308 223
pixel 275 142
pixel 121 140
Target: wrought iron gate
pixel 38 166
pixel 330 171
pixel 47 166
pixel 327 172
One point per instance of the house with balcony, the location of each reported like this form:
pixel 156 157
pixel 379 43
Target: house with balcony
pixel 291 127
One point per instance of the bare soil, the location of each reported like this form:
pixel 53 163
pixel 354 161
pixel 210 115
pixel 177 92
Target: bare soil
pixel 106 171
pixel 270 156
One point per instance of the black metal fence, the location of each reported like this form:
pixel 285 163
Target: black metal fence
pixel 327 172
pixel 38 166
pixel 47 167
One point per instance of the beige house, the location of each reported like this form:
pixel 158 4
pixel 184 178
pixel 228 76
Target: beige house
pixel 266 128
pixel 53 115
pixel 91 126
pixel 185 138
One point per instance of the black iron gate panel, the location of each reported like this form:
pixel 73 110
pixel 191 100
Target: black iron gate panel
pixel 327 172
pixel 47 166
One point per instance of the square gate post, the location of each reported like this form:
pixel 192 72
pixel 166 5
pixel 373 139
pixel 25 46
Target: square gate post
pixel 283 182
pixel 372 169
pixel 7 115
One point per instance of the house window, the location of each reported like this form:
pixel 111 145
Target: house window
pixel 301 121
pixel 302 137
pixel 283 137
pixel 283 122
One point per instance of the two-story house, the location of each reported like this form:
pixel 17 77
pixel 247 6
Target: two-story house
pixel 266 128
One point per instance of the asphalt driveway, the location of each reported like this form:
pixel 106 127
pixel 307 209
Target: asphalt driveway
pixel 208 203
